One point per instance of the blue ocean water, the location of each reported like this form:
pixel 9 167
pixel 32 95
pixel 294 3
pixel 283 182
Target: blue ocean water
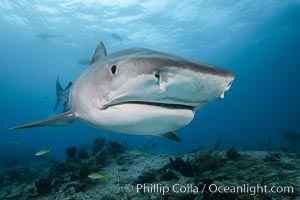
pixel 257 40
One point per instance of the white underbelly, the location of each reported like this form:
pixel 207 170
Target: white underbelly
pixel 138 119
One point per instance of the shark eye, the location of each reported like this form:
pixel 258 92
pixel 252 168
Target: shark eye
pixel 114 70
pixel 157 76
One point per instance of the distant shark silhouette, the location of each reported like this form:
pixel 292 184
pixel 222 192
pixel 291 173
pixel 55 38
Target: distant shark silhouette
pixel 46 36
pixel 85 62
pixel 116 37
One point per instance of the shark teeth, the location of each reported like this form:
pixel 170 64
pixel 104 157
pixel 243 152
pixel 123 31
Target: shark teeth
pixel 226 89
pixel 222 95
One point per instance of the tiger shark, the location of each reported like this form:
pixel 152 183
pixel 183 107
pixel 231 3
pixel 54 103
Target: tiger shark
pixel 46 36
pixel 139 91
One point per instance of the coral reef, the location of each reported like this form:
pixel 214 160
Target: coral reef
pixel 184 167
pixel 217 145
pixel 48 179
pixel 147 177
pixel 83 153
pixel 115 147
pixel 206 161
pixel 233 154
pixel 98 144
pixel 149 145
pixel 168 175
pixel 273 157
pixel 101 157
pixel 71 152
pixel 43 186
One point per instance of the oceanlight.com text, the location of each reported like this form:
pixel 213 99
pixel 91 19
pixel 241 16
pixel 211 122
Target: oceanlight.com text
pixel 212 188
pixel 250 189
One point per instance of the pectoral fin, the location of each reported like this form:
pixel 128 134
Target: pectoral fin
pixel 64 119
pixel 171 135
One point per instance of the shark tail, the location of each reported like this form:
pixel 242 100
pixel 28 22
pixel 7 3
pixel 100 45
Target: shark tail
pixel 63 119
pixel 62 94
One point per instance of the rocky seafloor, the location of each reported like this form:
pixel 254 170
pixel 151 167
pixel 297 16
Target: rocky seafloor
pixel 135 174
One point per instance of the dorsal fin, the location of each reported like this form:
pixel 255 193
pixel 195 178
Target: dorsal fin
pixel 100 52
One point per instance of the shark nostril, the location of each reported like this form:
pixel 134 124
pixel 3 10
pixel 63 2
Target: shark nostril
pixel 157 76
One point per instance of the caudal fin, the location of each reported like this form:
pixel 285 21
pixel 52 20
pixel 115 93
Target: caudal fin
pixel 62 94
pixel 64 119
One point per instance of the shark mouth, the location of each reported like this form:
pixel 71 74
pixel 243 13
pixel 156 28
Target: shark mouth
pixel 164 105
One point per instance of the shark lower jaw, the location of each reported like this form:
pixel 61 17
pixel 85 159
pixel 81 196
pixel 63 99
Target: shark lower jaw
pixel 141 117
pixel 154 104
